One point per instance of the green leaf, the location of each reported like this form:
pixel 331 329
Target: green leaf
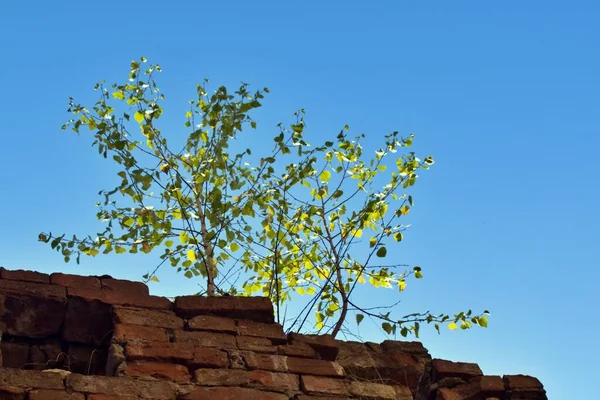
pixel 359 318
pixel 418 272
pixel 483 321
pixel 234 246
pixel 452 326
pixel 169 243
pixel 184 238
pixel 191 255
pixel 325 176
pixel 387 327
pixel 381 252
pixel 139 117
pixel 398 237
pixel 372 242
pixel 120 250
pixel 128 222
pixel 118 95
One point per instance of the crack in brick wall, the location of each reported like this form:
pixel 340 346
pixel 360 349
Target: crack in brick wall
pixel 98 338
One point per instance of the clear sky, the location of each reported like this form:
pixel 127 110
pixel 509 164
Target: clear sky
pixel 505 95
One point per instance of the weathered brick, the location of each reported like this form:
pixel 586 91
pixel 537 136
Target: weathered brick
pixel 212 323
pixel 314 367
pixel 444 368
pixel 14 353
pixel 141 316
pixel 158 370
pixel 257 344
pixel 47 394
pixel 12 393
pixel 270 331
pixel 403 392
pixel 124 333
pixel 405 347
pixel 22 275
pixel 258 309
pixel 371 390
pixel 87 321
pixel 305 397
pixel 159 351
pixel 209 358
pixel 121 285
pixel 231 393
pixel 110 397
pixel 325 345
pixel 76 281
pixel 30 309
pixel 521 382
pixel 273 381
pixel 266 362
pixel 87 359
pixel 121 386
pixel 317 385
pixel 206 339
pixel 47 354
pixel 32 289
pixel 298 349
pixel 221 377
pixel 127 299
pixel 30 379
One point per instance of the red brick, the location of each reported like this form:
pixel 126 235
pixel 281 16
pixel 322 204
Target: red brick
pixel 14 354
pixel 159 351
pixel 87 321
pixel 231 393
pixel 76 281
pixel 325 345
pixel 316 385
pixel 267 362
pixel 158 370
pixel 121 285
pixel 46 394
pixel 209 357
pixel 257 344
pixel 273 381
pixel 121 298
pixel 521 382
pixel 314 367
pixel 140 316
pixel 212 323
pixel 30 379
pixel 448 394
pixel 405 347
pixel 221 377
pixel 258 309
pixel 32 289
pixel 206 339
pixel 298 349
pixel 270 331
pixel 22 275
pixel 124 333
pixel 374 390
pixel 32 316
pixel 445 369
pixel 138 388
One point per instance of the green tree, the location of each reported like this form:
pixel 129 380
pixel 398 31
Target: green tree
pixel 319 227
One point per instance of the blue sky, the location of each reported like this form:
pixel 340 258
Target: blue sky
pixel 503 94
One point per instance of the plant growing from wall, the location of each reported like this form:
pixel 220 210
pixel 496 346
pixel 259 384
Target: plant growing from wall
pixel 302 220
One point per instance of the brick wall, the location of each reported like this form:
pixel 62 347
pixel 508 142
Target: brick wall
pixel 98 338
